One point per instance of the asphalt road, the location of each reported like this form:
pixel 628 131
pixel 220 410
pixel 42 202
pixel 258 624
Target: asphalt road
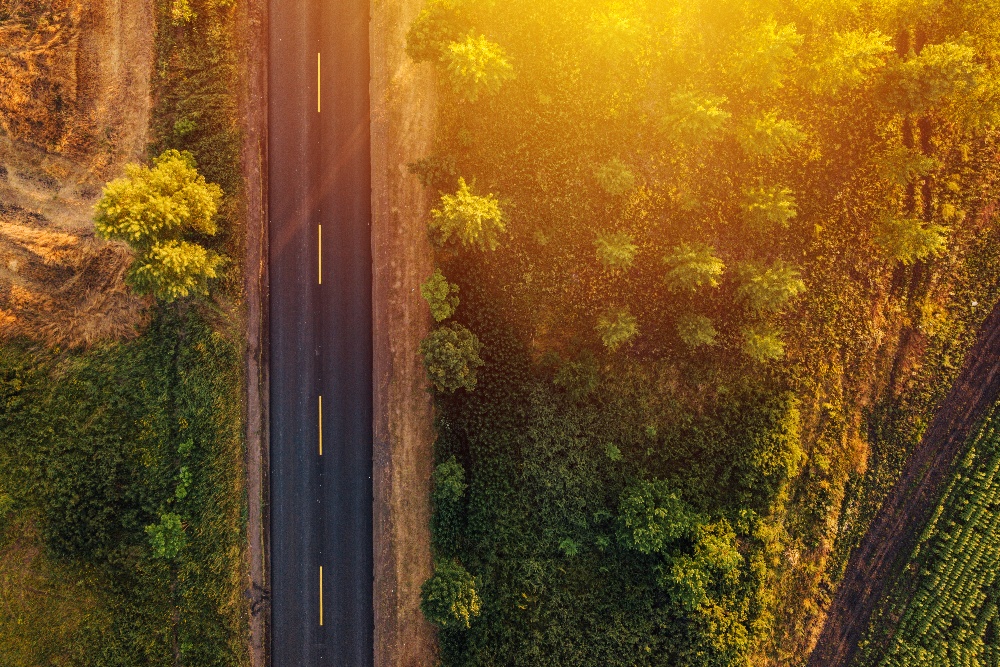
pixel 320 334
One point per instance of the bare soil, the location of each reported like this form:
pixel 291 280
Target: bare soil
pixel 891 537
pixel 252 26
pixel 403 109
pixel 74 109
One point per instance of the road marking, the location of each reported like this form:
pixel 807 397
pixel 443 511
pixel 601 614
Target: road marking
pixel 321 595
pixel 319 245
pixel 321 426
pixel 318 83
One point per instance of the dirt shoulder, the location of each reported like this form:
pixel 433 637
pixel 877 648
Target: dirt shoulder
pixel 252 25
pixel 890 540
pixel 403 116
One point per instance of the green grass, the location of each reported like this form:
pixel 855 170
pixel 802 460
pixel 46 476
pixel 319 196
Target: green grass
pixel 93 448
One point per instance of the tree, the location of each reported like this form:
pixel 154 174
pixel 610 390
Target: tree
pixel 440 295
pixel 652 517
pixel 470 219
pixel 615 178
pixel 579 378
pixel 908 240
pixel 475 66
pixel 693 265
pixel 449 599
pixel 167 537
pixel 616 251
pixel 769 290
pixel 769 207
pixel 762 343
pixel 617 328
pixel 154 211
pixel 696 330
pixel 451 357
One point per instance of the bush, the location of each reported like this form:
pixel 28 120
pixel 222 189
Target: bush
pixel 472 220
pixel 166 537
pixel 449 598
pixel 153 210
pixel 652 517
pixel 447 497
pixel 476 66
pixel 451 357
pixel 440 295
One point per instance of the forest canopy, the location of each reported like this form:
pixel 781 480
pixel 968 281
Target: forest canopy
pixel 718 260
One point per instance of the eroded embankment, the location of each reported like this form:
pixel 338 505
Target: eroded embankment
pixel 890 539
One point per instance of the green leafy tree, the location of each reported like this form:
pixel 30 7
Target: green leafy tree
pixel 440 295
pixel 615 178
pixel 769 136
pixel 763 343
pixel 908 240
pixel 694 265
pixel 477 66
pixel 439 23
pixel 470 219
pixel 652 517
pixel 694 118
pixel 617 328
pixel 447 497
pixel 939 72
pixel 167 537
pixel 579 378
pixel 154 211
pixel 848 60
pixel 769 290
pixel 449 598
pixel 696 330
pixel 769 207
pixel 451 357
pixel 616 251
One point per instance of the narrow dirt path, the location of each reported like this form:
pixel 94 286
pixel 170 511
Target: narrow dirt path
pixel 899 521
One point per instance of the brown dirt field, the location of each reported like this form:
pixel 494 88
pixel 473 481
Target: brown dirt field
pixel 890 539
pixel 252 26
pixel 74 108
pixel 403 117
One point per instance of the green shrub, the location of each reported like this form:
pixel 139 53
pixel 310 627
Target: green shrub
pixel 652 517
pixel 766 207
pixel 447 497
pixel 470 219
pixel 694 118
pixel 449 598
pixel 166 537
pixel 451 357
pixel 440 295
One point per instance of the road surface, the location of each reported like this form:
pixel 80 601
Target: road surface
pixel 320 334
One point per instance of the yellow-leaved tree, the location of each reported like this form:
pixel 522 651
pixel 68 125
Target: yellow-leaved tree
pixel 157 211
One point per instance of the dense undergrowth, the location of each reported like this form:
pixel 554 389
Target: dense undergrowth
pixel 943 608
pixel 121 476
pixel 719 263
